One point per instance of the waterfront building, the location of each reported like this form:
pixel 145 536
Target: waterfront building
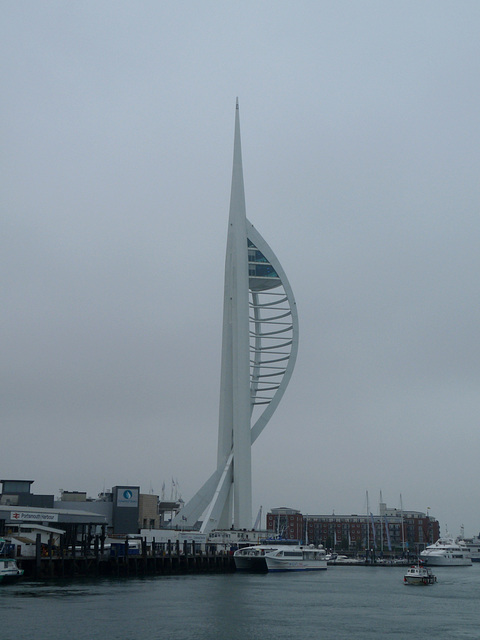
pixel 390 530
pixel 286 523
pixel 115 512
pixel 75 524
pixel 121 510
pixel 259 348
pixel 24 536
pixel 20 509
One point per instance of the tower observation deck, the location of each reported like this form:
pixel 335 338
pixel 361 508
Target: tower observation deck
pixel 259 349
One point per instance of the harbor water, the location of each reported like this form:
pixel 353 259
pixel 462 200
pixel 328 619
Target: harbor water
pixel 342 602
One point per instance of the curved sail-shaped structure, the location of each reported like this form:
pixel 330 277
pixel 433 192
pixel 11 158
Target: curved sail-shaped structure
pixel 273 329
pixel 259 348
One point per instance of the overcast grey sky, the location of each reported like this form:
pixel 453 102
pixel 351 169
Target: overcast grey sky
pixel 361 150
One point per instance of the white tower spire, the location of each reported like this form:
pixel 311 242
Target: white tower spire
pixel 234 415
pixel 259 348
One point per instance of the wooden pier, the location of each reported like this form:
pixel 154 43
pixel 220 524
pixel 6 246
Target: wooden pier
pixel 168 559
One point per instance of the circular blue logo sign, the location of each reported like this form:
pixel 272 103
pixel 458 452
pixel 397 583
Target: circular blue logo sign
pixel 127 494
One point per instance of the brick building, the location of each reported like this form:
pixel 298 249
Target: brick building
pixel 288 523
pixel 391 529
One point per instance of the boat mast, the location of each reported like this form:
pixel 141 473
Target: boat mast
pixel 368 527
pixel 381 523
pixel 401 517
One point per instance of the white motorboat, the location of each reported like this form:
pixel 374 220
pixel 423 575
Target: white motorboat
pixel 417 574
pixel 9 570
pixel 297 558
pixel 253 558
pixel 333 558
pixel 446 552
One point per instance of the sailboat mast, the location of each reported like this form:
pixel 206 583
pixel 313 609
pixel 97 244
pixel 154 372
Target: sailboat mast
pixel 368 526
pixel 401 516
pixel 381 521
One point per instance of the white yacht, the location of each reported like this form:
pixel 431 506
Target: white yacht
pixel 297 558
pixel 446 552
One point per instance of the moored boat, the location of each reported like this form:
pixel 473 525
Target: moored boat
pixel 446 552
pixel 253 558
pixel 9 571
pixel 417 574
pixel 297 558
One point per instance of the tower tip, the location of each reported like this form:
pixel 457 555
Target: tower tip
pixel 237 104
